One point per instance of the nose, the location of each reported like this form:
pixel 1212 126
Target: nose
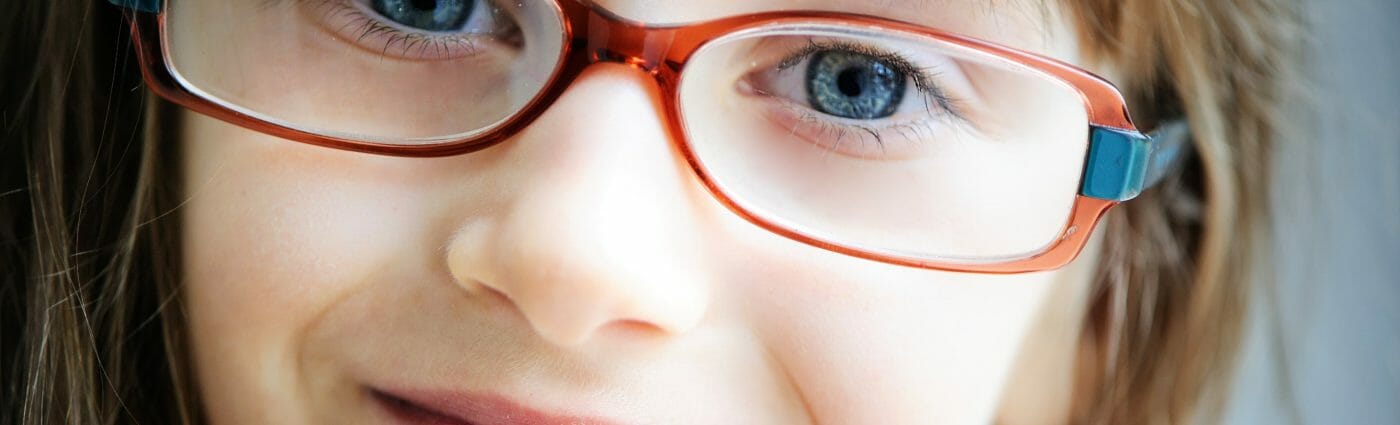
pixel 598 233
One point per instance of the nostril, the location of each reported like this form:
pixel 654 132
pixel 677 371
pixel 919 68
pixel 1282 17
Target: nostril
pixel 636 328
pixel 478 289
pixel 493 293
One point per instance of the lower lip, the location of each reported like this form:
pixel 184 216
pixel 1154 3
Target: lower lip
pixel 466 409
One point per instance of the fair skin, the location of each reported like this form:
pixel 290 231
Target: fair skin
pixel 540 271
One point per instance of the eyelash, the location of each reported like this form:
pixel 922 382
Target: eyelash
pixel 923 78
pixel 365 24
pixel 842 131
pixel 923 81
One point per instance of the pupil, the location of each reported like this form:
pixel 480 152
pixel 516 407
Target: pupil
pixel 853 85
pixel 849 82
pixel 424 4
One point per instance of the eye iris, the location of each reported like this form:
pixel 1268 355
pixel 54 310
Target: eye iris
pixel 853 85
pixel 427 15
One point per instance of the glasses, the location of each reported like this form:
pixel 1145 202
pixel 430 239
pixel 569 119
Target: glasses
pixel 865 136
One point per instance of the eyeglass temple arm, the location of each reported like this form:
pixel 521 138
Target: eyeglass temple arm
pixel 1122 164
pixel 148 6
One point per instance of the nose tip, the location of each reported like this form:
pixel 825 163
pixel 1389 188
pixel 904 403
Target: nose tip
pixel 569 310
pixel 570 285
pixel 597 233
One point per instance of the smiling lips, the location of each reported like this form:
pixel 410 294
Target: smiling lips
pixel 449 408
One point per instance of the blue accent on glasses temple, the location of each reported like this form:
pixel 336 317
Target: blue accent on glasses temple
pixel 148 6
pixel 1123 163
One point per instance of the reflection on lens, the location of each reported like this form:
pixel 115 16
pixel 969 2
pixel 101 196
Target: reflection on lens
pixel 886 141
pixel 384 71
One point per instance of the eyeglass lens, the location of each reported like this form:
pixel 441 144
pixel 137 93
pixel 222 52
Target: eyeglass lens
pixel 874 139
pixel 396 72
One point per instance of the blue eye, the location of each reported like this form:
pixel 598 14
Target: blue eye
pixel 854 85
pixel 427 15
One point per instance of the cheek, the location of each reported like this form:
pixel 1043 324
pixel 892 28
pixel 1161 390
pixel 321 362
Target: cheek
pixel 272 227
pixel 869 343
pixel 269 247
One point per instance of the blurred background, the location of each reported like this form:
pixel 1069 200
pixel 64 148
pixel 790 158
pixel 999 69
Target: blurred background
pixel 1323 346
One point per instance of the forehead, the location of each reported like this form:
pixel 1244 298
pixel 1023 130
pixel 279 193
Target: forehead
pixel 1033 25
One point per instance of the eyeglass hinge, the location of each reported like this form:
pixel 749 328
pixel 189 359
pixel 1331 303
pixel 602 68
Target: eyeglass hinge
pixel 148 6
pixel 1122 163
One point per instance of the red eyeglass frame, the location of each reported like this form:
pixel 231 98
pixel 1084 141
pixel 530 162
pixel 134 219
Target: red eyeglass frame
pixel 592 34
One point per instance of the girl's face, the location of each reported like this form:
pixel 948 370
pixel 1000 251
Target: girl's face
pixel 580 273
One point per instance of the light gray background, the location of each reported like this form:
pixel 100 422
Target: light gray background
pixel 1324 348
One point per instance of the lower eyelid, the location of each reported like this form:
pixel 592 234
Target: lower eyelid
pixel 889 142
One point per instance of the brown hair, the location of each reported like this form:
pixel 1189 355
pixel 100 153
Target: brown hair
pixel 1180 261
pixel 91 320
pixel 89 317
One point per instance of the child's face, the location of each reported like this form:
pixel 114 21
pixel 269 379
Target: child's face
pixel 581 272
